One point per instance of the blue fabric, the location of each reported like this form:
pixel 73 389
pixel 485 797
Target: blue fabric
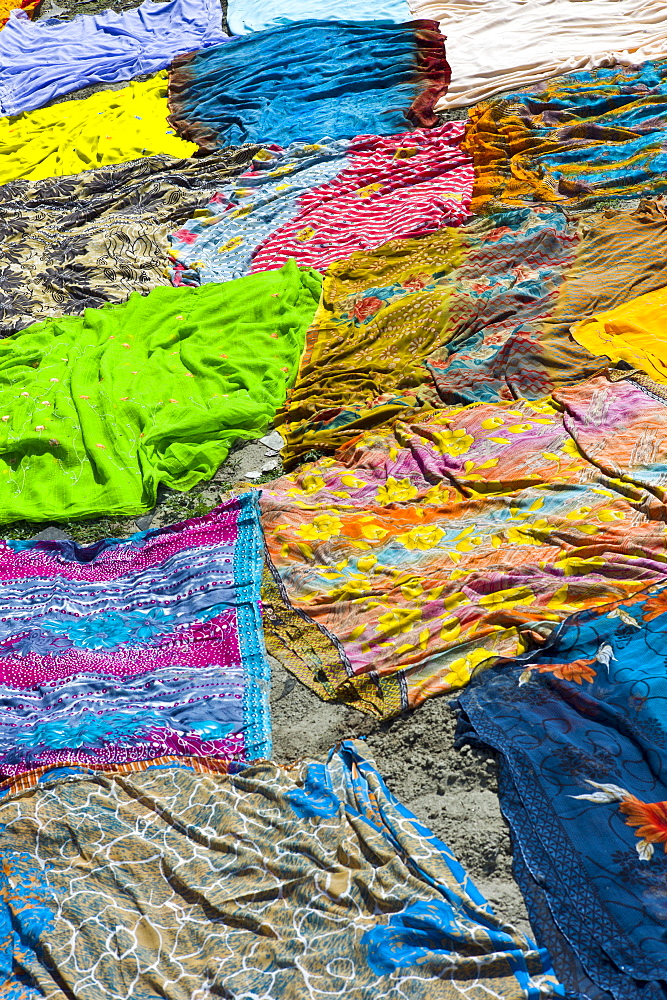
pixel 43 59
pixel 256 15
pixel 305 81
pixel 581 727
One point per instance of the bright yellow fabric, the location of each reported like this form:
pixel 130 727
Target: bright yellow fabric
pixel 635 332
pixel 109 127
pixel 27 6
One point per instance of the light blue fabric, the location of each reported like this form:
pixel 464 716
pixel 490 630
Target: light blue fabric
pixel 303 81
pixel 220 246
pixel 244 16
pixel 43 59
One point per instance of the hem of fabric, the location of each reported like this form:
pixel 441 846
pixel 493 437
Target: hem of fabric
pixel 433 68
pixel 200 135
pixel 257 672
pixel 381 696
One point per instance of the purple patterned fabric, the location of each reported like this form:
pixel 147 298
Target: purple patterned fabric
pixel 137 648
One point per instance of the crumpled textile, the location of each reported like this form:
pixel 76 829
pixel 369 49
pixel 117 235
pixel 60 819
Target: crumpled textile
pixel 439 307
pixel 40 61
pixel 111 126
pixel 76 242
pixel 107 655
pixel 428 549
pixel 580 138
pixel 504 45
pixel 635 332
pixel 310 80
pixel 257 15
pixel 580 730
pixel 303 882
pixel 27 7
pixel 97 410
pixel 321 202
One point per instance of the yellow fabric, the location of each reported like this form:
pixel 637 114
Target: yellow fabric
pixel 27 6
pixel 109 127
pixel 635 332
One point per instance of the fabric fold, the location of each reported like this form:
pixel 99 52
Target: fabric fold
pixel 310 80
pixel 295 882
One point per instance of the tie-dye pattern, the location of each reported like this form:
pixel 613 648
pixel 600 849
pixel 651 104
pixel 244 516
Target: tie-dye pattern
pixel 429 548
pixel 302 883
pixel 132 649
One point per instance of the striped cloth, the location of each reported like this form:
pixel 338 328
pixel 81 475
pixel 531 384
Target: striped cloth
pixel 321 202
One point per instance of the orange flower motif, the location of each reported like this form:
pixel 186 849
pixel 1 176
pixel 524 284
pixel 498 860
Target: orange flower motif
pixel 655 606
pixel 650 817
pixel 577 671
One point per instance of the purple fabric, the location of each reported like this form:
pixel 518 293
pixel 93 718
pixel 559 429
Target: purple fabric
pixel 42 60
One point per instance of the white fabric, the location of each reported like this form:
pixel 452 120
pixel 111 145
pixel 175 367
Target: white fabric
pixel 244 16
pixel 495 46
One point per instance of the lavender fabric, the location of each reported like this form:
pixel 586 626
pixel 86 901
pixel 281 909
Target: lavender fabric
pixel 43 59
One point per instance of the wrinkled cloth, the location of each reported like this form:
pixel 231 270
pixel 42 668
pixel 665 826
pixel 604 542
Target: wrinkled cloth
pixel 504 45
pixel 257 15
pixel 77 242
pixel 107 655
pixel 581 138
pixel 427 549
pixel 97 410
pixel 635 333
pixel 441 306
pixel 321 202
pixel 514 338
pixel 580 729
pixel 111 126
pixel 310 80
pixel 302 882
pixel 42 60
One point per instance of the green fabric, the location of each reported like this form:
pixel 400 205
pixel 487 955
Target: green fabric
pixel 97 410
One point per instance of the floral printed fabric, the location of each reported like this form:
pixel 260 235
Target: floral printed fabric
pixel 179 872
pixel 309 81
pixel 77 242
pixel 580 727
pixel 582 137
pixel 319 203
pixel 443 306
pixel 108 654
pixel 428 549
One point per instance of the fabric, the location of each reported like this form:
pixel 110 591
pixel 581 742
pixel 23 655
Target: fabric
pixel 184 876
pixel 97 410
pixel 634 332
pixel 581 138
pixel 111 126
pixel 504 45
pixel 257 15
pixel 514 337
pixel 429 548
pixel 107 655
pixel 308 81
pixel 444 306
pixel 77 242
pixel 580 729
pixel 7 6
pixel 42 60
pixel 322 202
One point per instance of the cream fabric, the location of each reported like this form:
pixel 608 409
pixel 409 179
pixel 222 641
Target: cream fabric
pixel 503 45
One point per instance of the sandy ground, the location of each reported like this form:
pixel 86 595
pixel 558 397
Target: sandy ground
pixel 451 791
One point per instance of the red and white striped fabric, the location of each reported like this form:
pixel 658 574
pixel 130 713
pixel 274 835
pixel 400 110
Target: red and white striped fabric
pixel 392 186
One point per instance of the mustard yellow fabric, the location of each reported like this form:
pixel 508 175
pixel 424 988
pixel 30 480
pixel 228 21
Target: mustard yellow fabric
pixel 635 332
pixel 109 127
